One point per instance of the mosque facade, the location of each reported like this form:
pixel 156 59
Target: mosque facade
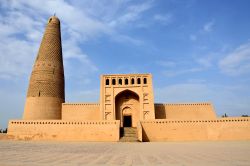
pixel 126 110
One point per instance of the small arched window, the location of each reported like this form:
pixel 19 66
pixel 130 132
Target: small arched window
pixel 107 81
pixel 138 80
pixel 126 81
pixel 113 81
pixel 120 81
pixel 132 81
pixel 145 80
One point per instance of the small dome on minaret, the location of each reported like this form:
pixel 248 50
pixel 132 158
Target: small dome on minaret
pixel 54 20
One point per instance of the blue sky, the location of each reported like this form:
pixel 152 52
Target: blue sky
pixel 197 51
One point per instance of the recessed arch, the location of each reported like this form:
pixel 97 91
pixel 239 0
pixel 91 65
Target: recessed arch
pixel 127 105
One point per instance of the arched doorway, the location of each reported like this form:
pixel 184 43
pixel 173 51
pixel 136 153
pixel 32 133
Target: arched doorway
pixel 127 108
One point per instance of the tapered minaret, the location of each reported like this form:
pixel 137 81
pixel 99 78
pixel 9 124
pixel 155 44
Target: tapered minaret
pixel 46 87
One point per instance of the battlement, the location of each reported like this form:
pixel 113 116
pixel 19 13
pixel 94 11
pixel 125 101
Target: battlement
pixel 218 120
pixel 182 104
pixel 81 104
pixel 61 122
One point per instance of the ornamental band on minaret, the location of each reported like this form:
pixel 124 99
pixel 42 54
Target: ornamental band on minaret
pixel 46 87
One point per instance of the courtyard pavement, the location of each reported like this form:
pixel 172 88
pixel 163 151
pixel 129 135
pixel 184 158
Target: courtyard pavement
pixel 19 153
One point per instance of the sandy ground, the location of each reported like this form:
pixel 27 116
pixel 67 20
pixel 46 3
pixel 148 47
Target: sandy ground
pixel 13 153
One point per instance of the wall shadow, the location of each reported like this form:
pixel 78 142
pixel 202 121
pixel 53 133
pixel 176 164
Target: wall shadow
pixel 160 111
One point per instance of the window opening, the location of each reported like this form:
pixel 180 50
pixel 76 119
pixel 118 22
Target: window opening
pixel 107 81
pixel 138 81
pixel 132 81
pixel 113 81
pixel 126 81
pixel 120 81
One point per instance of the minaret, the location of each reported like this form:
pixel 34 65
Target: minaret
pixel 46 87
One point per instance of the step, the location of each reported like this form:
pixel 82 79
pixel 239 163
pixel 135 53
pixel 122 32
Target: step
pixel 128 139
pixel 130 131
pixel 128 134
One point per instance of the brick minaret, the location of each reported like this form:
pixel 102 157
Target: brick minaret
pixel 46 87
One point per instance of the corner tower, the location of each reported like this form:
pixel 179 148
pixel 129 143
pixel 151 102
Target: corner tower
pixel 46 87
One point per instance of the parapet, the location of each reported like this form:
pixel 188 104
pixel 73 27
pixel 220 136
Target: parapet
pixel 184 111
pixel 81 111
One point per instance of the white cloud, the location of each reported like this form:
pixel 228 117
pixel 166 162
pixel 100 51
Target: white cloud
pixel 236 62
pixel 172 69
pixel 186 92
pixel 167 64
pixel 174 72
pixel 205 61
pixel 23 22
pixel 163 18
pixel 226 99
pixel 126 39
pixel 131 14
pixel 208 27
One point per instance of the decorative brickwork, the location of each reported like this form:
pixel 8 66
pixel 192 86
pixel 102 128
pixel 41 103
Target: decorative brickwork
pixel 47 77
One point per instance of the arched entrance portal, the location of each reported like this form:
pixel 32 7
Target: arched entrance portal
pixel 127 108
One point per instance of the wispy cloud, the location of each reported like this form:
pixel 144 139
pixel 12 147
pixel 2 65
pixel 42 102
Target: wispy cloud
pixel 172 69
pixel 236 62
pixel 203 30
pixel 208 27
pixel 22 24
pixel 173 73
pixel 132 13
pixel 163 18
pixel 167 64
pixel 206 92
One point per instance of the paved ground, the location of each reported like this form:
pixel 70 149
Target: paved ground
pixel 13 153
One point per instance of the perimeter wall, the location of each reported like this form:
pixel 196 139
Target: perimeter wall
pixel 64 130
pixel 196 130
pixel 185 111
pixel 81 111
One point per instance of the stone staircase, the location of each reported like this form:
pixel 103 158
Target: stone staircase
pixel 128 134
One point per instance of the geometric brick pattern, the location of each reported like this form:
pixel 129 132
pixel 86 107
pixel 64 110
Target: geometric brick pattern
pixel 47 77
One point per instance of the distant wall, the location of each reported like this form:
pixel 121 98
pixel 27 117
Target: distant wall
pixel 196 130
pixel 184 111
pixel 64 130
pixel 81 111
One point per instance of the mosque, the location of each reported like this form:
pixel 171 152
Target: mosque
pixel 126 110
